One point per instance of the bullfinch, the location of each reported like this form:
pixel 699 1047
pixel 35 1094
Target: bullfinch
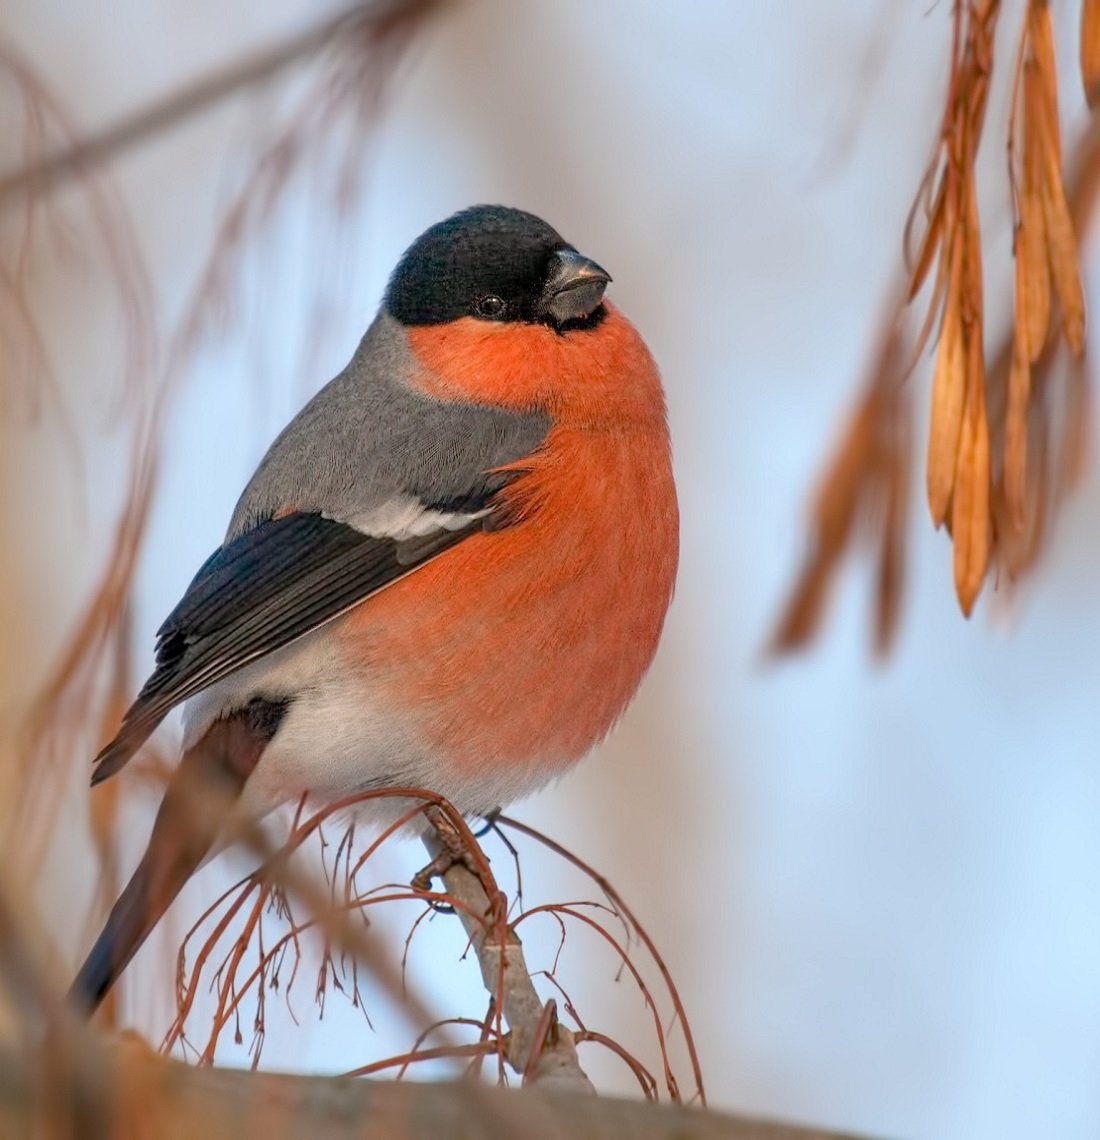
pixel 450 570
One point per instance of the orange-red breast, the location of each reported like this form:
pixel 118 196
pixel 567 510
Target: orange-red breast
pixel 449 571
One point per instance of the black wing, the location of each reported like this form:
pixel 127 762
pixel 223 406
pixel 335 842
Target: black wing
pixel 256 594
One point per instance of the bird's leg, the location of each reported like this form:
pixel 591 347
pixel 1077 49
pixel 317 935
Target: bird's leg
pixel 489 822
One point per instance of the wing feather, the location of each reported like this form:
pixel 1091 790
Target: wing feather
pixel 260 592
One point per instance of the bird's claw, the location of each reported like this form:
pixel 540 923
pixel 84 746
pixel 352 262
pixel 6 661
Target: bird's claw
pixel 452 851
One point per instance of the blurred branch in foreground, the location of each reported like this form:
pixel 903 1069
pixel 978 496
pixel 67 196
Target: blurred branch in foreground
pixel 122 1089
pixel 49 173
pixel 1007 439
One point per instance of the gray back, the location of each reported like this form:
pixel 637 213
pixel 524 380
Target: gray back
pixel 368 435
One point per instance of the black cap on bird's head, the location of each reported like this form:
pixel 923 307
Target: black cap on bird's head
pixel 496 264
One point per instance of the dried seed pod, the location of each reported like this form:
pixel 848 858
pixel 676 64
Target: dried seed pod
pixel 970 518
pixel 948 391
pixel 1031 242
pixel 1062 251
pixel 1019 391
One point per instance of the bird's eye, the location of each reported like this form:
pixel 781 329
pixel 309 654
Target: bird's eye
pixel 491 306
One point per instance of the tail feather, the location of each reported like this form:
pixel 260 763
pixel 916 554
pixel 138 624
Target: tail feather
pixel 196 806
pixel 135 731
pixel 147 896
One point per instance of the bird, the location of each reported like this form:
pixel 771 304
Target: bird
pixel 449 571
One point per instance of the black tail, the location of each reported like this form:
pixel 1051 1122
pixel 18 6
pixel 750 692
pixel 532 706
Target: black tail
pixel 194 810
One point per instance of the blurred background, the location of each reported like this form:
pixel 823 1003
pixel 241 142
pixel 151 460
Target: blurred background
pixel 876 884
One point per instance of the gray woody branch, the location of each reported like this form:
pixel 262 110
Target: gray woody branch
pixel 539 1048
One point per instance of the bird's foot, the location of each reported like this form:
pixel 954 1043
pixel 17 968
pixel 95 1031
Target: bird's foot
pixel 453 851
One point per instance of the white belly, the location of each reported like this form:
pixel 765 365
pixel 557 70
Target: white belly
pixel 339 737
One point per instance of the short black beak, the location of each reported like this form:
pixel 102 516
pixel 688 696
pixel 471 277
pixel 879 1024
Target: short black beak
pixel 574 287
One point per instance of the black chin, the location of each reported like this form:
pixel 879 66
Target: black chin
pixel 593 320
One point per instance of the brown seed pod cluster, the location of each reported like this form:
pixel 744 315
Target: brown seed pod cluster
pixel 978 478
pixel 1006 437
